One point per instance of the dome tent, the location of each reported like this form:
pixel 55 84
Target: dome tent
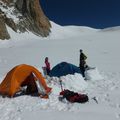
pixel 19 76
pixel 63 69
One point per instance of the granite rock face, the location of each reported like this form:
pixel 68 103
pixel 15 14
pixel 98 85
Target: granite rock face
pixel 26 15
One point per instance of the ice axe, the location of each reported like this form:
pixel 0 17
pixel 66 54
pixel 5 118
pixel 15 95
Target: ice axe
pixel 95 99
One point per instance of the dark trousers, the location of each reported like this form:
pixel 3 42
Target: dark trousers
pixel 82 71
pixel 48 71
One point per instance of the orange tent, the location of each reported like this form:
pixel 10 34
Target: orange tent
pixel 22 75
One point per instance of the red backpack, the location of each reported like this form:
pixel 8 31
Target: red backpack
pixel 73 96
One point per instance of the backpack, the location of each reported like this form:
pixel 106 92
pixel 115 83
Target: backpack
pixel 73 96
pixel 85 57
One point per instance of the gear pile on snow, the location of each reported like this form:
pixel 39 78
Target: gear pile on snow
pixel 73 96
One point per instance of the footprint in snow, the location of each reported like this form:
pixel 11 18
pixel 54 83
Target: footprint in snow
pixel 118 105
pixel 118 115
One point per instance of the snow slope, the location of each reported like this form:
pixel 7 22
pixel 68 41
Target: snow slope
pixel 63 44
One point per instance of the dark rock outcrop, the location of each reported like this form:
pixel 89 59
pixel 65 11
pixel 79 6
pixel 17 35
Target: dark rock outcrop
pixel 3 30
pixel 30 18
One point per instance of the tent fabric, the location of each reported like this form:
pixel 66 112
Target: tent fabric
pixel 63 69
pixel 19 76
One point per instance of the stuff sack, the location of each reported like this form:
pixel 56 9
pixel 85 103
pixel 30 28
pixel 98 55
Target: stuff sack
pixel 73 96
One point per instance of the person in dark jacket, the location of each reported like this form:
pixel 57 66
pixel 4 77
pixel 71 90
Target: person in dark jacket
pixel 82 64
pixel 47 65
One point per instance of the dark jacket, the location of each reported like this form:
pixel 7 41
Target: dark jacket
pixel 83 57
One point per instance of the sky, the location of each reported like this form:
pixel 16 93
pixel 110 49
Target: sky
pixel 92 13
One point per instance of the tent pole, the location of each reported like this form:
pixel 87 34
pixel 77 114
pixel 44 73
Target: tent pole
pixel 61 85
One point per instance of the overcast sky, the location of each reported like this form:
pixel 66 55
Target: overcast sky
pixel 92 13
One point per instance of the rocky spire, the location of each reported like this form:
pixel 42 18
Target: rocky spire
pixel 29 16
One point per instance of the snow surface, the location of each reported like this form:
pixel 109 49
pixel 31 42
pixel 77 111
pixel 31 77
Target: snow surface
pixel 63 44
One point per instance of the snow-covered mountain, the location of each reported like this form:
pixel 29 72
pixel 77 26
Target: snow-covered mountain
pixel 63 44
pixel 117 28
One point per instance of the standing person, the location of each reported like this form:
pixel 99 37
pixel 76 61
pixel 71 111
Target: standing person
pixel 82 64
pixel 47 65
